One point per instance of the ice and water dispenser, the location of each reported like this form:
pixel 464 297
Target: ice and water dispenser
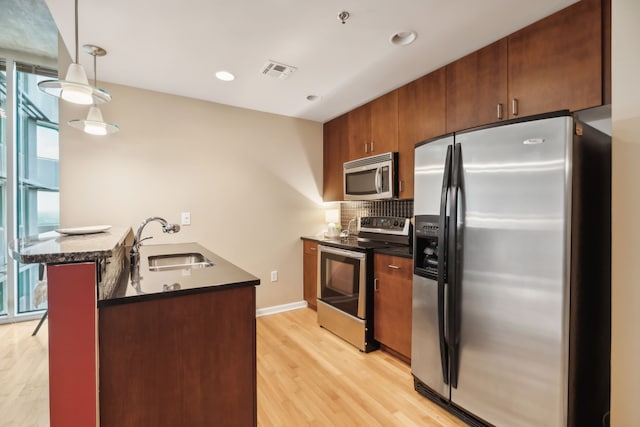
pixel 426 246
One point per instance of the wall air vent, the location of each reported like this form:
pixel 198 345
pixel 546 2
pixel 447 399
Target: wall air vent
pixel 277 70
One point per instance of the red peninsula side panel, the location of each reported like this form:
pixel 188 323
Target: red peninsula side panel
pixel 72 324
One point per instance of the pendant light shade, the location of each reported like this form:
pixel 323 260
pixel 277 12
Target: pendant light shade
pixel 94 124
pixel 75 88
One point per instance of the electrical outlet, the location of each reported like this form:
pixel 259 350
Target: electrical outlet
pixel 185 218
pixel 274 276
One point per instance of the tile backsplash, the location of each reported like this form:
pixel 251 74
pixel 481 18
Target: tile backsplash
pixel 349 210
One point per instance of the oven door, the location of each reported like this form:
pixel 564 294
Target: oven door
pixel 342 280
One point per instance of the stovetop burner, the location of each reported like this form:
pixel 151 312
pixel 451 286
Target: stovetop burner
pixel 376 232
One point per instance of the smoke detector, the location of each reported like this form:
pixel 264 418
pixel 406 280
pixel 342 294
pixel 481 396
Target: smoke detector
pixel 277 70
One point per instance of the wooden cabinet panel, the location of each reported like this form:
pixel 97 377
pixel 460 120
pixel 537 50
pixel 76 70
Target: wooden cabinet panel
pixel 181 361
pixel 373 127
pixel 335 153
pixel 421 115
pixel 384 124
pixel 477 88
pixel 359 131
pixel 310 272
pixel 392 302
pixel 556 63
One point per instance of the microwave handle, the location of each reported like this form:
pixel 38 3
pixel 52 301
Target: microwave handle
pixel 378 183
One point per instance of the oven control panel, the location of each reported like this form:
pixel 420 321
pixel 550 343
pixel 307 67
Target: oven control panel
pixel 385 225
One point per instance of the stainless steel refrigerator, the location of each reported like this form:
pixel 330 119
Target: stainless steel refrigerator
pixel 511 288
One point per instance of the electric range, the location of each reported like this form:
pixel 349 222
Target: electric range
pixel 345 278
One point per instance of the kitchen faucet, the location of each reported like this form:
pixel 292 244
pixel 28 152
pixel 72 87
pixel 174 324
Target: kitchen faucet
pixel 166 228
pixel 135 248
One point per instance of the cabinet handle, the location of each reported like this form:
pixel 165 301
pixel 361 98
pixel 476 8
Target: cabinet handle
pixel 371 146
pixel 401 185
pixel 514 106
pixel 499 111
pixel 314 249
pixel 375 285
pixel 393 266
pixel 365 148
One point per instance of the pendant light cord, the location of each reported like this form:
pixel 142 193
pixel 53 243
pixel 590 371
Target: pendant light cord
pixel 76 17
pixel 95 70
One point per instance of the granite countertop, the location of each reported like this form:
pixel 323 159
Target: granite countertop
pixel 55 248
pixel 175 282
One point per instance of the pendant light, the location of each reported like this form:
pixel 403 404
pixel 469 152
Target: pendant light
pixel 75 87
pixel 94 124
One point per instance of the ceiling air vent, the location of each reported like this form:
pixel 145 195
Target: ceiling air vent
pixel 277 70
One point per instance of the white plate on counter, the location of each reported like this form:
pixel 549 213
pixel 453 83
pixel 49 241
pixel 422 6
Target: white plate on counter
pixel 84 230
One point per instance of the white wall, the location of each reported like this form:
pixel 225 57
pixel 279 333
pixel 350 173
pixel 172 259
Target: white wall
pixel 252 181
pixel 625 352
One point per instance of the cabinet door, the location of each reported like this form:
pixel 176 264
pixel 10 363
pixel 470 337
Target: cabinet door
pixel 556 63
pixel 392 302
pixel 384 124
pixel 477 88
pixel 359 131
pixel 421 115
pixel 335 135
pixel 310 272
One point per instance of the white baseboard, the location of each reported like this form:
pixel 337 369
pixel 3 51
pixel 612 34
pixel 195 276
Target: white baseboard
pixel 280 308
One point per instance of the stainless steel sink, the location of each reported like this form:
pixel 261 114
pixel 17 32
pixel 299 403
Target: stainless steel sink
pixel 178 261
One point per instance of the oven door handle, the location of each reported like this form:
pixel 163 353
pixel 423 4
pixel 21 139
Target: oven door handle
pixel 342 252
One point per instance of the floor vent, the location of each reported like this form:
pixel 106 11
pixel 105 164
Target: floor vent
pixel 277 70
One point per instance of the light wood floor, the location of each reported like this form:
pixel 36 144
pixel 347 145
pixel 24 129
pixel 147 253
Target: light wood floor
pixel 24 376
pixel 306 377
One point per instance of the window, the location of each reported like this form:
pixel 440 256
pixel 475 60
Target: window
pixel 29 193
pixel 3 180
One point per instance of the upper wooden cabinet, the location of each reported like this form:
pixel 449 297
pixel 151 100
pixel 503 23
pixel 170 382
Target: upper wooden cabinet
pixel 373 127
pixel 335 153
pixel 553 64
pixel 477 88
pixel 560 62
pixel 421 115
pixel 556 63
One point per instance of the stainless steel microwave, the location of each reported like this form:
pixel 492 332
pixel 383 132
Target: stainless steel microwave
pixel 371 178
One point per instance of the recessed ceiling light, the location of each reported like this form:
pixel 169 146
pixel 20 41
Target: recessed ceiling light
pixel 225 76
pixel 404 38
pixel 312 98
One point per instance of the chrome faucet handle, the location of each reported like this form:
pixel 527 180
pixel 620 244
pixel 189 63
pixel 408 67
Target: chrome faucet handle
pixel 142 240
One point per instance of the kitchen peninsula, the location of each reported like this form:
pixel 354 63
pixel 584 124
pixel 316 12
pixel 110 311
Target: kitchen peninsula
pixel 173 346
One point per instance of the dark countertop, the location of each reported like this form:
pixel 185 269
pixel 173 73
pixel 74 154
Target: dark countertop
pixel 349 242
pixel 402 252
pixel 55 248
pixel 169 283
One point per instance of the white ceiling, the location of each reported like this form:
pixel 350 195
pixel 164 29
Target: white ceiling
pixel 176 46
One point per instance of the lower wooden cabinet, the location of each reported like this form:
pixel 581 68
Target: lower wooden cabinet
pixel 310 272
pixel 392 303
pixel 187 360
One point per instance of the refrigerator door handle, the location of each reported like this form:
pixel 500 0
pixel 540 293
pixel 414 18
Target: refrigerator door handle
pixel 442 254
pixel 453 289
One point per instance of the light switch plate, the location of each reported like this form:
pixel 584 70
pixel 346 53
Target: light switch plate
pixel 185 218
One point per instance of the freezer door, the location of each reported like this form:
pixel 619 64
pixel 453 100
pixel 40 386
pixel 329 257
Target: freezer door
pixel 426 363
pixel 429 168
pixel 514 229
pixel 425 345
